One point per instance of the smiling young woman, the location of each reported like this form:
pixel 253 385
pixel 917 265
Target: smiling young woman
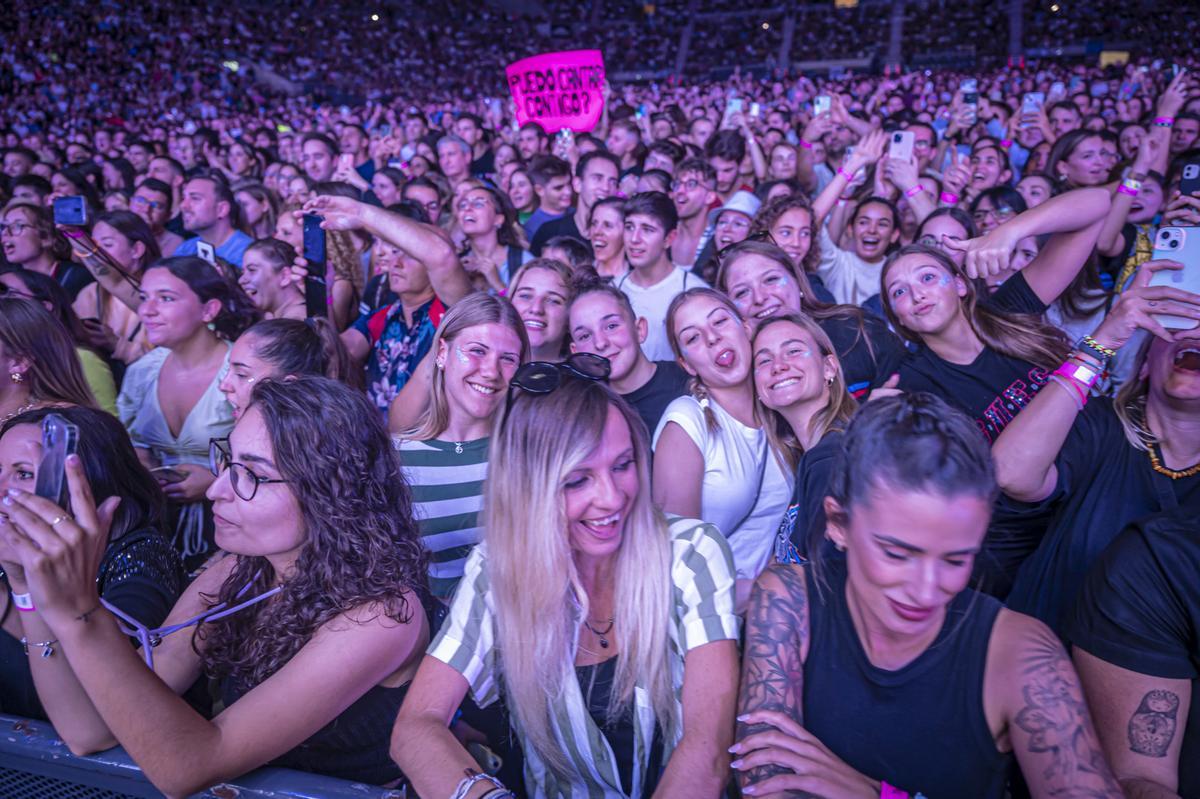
pixel 609 629
pixel 848 655
pixel 478 347
pixel 712 458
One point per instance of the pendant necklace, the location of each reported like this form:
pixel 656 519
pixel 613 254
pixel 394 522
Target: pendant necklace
pixel 601 634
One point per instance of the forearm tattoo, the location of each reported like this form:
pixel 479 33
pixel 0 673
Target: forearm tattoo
pixel 1056 718
pixel 772 672
pixel 1152 725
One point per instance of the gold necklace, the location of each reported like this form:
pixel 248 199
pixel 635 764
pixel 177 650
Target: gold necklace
pixel 1172 473
pixel 18 412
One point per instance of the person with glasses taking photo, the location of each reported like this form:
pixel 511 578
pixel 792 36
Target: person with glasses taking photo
pixel 318 597
pixel 627 686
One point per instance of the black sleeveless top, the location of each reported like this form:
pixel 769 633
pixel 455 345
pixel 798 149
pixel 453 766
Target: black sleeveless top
pixel 596 684
pixel 354 746
pixel 919 728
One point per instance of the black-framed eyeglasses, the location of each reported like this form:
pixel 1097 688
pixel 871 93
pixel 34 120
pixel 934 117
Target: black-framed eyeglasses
pixel 243 480
pixel 542 377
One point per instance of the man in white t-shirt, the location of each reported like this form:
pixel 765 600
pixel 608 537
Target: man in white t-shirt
pixel 653 281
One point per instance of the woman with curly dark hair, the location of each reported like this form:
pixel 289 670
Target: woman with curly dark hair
pixel 322 592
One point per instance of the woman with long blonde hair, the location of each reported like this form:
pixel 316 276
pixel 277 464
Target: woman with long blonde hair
pixel 712 458
pixel 479 345
pixel 609 630
pixel 801 397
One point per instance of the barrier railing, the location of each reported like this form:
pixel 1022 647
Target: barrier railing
pixel 36 764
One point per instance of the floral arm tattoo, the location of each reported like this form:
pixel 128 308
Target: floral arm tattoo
pixel 1059 728
pixel 772 672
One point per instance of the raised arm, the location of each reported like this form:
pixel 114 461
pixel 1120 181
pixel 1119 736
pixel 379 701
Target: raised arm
pixel 1073 220
pixel 109 274
pixel 867 152
pixel 422 241
pixel 1111 243
pixel 754 148
pixel 1026 451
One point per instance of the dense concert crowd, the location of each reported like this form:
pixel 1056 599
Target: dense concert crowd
pixel 784 434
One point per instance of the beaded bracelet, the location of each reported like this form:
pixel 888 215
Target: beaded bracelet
pixel 949 198
pixel 1091 344
pixel 1164 122
pixel 847 175
pixel 914 191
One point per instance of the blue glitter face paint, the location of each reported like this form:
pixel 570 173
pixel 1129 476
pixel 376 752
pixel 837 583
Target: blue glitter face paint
pixel 946 279
pixel 463 357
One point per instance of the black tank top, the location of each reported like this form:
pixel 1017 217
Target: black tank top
pixel 919 728
pixel 354 746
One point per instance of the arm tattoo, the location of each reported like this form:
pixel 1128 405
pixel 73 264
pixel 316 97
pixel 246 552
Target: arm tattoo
pixel 1056 718
pixel 772 672
pixel 1152 725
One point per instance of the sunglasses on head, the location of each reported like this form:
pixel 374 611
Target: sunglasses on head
pixel 543 377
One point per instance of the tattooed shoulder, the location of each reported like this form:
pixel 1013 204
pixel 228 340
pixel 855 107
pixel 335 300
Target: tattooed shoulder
pixel 1055 717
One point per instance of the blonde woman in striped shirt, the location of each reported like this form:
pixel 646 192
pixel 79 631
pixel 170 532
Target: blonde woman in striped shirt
pixel 609 629
pixel 478 347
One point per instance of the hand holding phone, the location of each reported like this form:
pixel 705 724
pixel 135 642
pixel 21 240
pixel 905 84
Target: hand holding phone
pixel 59 439
pixel 1180 244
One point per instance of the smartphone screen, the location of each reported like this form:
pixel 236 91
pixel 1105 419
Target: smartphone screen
pixel 59 439
pixel 314 239
pixel 70 211
pixel 822 104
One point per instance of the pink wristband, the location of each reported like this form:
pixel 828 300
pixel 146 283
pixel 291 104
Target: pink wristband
pixel 949 199
pixel 1166 122
pixel 807 145
pixel 890 792
pixel 1123 189
pixel 1006 144
pixel 1083 376
pixel 847 175
pixel 914 191
pixel 23 602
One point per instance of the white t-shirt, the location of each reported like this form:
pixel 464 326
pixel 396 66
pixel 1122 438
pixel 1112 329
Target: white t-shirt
pixel 652 303
pixel 849 278
pixel 744 492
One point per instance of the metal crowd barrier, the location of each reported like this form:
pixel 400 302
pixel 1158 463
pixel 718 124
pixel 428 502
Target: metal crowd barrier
pixel 36 764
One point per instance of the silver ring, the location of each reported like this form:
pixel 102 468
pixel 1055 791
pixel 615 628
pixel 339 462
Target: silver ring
pixel 57 519
pixel 1153 304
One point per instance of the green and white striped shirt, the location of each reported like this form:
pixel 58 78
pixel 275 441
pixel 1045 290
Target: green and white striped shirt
pixel 447 489
pixel 702 579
